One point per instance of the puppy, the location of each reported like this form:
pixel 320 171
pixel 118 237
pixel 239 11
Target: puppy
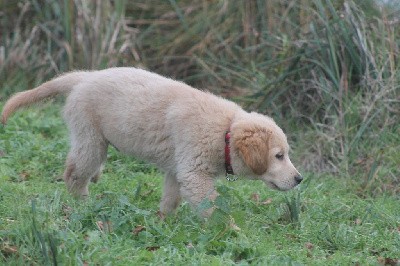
pixel 191 135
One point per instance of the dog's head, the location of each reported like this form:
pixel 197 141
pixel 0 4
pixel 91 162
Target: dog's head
pixel 261 151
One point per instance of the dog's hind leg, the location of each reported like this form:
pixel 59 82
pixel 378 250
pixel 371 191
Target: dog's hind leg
pixel 171 195
pixel 84 163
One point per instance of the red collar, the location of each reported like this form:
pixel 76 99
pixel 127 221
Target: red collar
pixel 228 166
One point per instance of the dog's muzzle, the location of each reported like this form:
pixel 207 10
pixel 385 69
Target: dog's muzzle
pixel 298 179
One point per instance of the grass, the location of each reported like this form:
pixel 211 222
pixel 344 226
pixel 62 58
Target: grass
pixel 323 222
pixel 331 67
pixel 326 71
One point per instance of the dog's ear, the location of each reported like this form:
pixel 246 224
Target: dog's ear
pixel 252 144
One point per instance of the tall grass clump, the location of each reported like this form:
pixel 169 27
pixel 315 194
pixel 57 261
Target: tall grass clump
pixel 330 67
pixel 40 39
pixel 328 71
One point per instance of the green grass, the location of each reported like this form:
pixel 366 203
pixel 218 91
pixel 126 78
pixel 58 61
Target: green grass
pixel 328 220
pixel 328 73
pixel 330 66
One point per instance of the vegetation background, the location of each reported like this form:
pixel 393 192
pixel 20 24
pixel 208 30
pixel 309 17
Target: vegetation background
pixel 326 71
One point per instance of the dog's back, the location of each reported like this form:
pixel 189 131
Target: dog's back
pixel 146 115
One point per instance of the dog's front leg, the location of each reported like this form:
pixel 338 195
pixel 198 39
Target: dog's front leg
pixel 171 196
pixel 196 187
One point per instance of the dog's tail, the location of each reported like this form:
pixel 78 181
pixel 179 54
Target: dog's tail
pixel 60 85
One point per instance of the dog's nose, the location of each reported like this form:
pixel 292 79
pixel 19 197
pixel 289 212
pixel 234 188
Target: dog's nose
pixel 298 179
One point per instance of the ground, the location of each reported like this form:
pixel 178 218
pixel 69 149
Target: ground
pixel 325 221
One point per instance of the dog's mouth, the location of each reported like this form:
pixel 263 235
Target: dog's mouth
pixel 273 186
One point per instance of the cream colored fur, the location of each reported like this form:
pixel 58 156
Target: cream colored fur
pixel 165 122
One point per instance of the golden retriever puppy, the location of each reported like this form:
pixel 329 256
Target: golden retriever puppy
pixel 191 135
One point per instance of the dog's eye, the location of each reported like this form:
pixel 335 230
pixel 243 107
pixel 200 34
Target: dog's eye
pixel 279 156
